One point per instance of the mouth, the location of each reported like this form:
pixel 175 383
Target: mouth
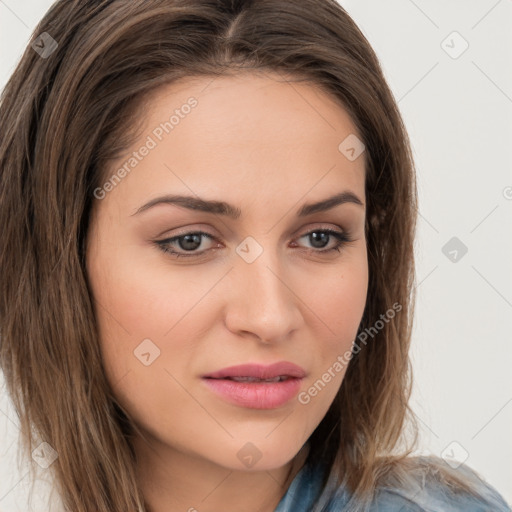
pixel 279 378
pixel 271 373
pixel 257 386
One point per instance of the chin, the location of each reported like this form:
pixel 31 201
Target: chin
pixel 264 455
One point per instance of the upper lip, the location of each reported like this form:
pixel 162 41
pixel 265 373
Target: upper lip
pixel 259 371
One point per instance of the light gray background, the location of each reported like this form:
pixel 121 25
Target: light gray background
pixel 458 110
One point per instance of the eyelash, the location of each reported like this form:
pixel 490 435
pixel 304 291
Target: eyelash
pixel 342 238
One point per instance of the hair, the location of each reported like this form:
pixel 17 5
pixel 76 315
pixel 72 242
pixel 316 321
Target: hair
pixel 64 117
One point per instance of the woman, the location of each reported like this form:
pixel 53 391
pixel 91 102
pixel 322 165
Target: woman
pixel 206 301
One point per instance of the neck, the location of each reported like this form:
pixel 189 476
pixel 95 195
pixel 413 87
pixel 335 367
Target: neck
pixel 173 481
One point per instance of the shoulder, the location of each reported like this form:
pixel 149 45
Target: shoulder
pixel 411 484
pixel 428 484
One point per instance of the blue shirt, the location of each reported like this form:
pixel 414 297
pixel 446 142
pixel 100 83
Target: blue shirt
pixel 305 492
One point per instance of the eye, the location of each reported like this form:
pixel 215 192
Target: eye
pixel 187 243
pixel 322 237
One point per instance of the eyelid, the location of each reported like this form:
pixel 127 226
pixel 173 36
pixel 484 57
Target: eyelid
pixel 342 236
pixel 187 230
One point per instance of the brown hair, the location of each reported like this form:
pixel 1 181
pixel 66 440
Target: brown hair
pixel 63 116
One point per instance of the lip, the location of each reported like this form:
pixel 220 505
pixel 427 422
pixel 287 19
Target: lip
pixel 257 395
pixel 259 371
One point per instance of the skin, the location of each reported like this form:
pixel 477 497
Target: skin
pixel 267 147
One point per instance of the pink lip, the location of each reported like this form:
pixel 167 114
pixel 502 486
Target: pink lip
pixel 257 395
pixel 259 371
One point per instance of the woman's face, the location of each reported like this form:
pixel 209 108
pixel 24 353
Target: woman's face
pixel 264 284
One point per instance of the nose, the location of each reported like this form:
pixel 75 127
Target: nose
pixel 261 300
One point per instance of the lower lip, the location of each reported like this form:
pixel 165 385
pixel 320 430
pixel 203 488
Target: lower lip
pixel 255 395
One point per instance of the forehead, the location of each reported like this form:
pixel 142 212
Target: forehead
pixel 255 132
pixel 250 102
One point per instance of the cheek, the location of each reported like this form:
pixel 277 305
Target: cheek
pixel 147 307
pixel 338 308
pixel 340 300
pixel 139 300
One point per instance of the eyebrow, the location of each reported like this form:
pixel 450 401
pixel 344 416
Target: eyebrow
pixel 222 208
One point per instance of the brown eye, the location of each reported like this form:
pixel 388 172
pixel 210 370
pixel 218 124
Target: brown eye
pixel 185 243
pixel 319 238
